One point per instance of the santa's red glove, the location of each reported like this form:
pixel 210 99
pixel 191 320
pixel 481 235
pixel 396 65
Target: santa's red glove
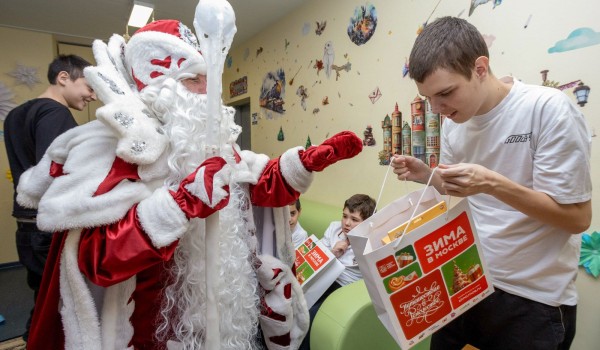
pixel 340 146
pixel 204 191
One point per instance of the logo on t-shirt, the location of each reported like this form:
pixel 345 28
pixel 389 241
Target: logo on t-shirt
pixel 518 138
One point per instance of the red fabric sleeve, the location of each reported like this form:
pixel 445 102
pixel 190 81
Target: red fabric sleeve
pixel 111 254
pixel 271 190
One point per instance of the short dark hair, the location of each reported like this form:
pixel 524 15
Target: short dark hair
pixel 361 203
pixel 297 204
pixel 450 43
pixel 71 64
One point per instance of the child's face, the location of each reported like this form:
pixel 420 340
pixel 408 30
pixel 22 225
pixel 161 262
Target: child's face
pixel 294 214
pixel 452 95
pixel 350 220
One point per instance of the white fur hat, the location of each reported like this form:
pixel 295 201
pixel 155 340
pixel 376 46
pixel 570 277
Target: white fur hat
pixel 163 49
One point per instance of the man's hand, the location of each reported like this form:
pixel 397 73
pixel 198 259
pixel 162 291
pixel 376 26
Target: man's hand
pixel 206 190
pixel 410 168
pixel 462 180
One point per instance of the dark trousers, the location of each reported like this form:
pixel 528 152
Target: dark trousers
pixel 32 247
pixel 504 321
pixel 313 312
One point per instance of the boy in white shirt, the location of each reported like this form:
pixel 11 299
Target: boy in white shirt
pixel 357 209
pixel 299 234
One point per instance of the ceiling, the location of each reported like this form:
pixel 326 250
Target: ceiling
pixel 82 21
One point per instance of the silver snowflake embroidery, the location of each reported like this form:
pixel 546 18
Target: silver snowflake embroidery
pixel 113 86
pixel 25 75
pixel 138 147
pixel 123 119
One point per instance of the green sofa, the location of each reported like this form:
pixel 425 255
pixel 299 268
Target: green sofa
pixel 347 319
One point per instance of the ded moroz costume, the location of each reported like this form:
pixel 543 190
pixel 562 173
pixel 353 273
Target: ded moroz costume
pixel 128 194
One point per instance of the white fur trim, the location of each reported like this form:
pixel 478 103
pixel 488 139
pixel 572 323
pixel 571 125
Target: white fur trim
pixel 161 218
pixel 69 201
pixel 198 187
pixel 294 309
pixel 250 168
pixel 79 315
pixel 117 330
pixel 34 183
pixel 293 171
pixel 145 46
pixel 283 235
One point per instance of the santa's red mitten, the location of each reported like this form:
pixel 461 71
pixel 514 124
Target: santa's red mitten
pixel 340 146
pixel 204 191
pixel 284 316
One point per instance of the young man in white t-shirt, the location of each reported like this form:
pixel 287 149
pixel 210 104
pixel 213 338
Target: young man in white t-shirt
pixel 521 155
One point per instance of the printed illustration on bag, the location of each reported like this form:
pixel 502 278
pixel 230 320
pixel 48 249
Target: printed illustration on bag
pixel 405 256
pixel 420 305
pixel 402 278
pixel 445 243
pixel 432 279
pixel 310 258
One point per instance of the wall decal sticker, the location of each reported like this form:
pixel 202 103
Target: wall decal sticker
pixel 292 80
pixel 346 67
pixel 305 28
pixel 272 91
pixel 422 26
pixel 318 66
pixel 238 87
pixel 25 75
pixel 362 24
pixel 375 95
pixel 320 27
pixel 475 3
pixel 368 139
pixel 328 57
pixel 303 93
pixel 579 38
pixel 527 22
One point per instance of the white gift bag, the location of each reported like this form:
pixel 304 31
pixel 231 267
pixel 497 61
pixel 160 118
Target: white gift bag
pixel 433 273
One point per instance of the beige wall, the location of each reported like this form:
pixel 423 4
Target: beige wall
pixel 37 50
pixel 516 51
pixel 32 50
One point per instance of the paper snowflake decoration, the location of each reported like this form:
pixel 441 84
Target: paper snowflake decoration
pixel 25 75
pixel 6 101
pixel 590 253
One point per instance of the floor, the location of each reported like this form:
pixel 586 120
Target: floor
pixel 16 300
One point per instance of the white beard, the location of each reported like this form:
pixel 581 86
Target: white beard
pixel 183 312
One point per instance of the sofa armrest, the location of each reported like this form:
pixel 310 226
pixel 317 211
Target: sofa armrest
pixel 347 320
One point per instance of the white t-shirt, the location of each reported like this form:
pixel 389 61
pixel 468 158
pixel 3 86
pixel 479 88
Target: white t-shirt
pixel 538 138
pixel 299 235
pixel 351 273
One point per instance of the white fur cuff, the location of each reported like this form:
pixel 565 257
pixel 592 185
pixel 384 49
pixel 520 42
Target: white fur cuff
pixel 161 218
pixel 293 170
